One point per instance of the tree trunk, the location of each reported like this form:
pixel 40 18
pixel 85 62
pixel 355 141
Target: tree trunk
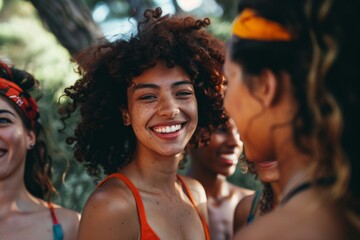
pixel 71 22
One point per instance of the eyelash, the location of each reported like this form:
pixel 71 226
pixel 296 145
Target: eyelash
pixel 4 120
pixel 181 94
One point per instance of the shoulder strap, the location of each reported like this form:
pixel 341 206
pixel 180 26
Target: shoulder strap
pixel 145 228
pixel 253 208
pixel 52 212
pixel 188 193
pixel 58 232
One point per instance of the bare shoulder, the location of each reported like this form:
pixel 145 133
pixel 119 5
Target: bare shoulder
pixel 242 211
pixel 271 226
pixel 240 191
pixel 69 221
pixel 109 213
pixel 196 188
pixel 305 217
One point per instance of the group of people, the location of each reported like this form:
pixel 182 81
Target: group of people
pixel 174 90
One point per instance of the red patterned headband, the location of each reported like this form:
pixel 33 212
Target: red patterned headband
pixel 27 104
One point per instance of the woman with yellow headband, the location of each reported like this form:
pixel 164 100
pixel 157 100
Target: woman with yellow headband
pixel 278 95
pixel 25 166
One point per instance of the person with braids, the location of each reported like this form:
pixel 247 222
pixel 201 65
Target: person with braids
pixel 26 211
pixel 277 64
pixel 211 165
pixel 142 99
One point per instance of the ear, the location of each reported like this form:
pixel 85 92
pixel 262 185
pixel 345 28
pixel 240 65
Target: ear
pixel 125 116
pixel 269 88
pixel 31 139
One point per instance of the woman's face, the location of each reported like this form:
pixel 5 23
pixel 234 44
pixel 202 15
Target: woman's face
pixel 221 155
pixel 15 140
pixel 248 113
pixel 162 109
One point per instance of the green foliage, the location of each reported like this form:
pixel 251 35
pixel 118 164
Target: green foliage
pixel 25 43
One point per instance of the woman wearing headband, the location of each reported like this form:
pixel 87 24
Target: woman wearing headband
pixel 141 100
pixel 25 167
pixel 276 65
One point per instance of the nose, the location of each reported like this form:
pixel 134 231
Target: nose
pixel 233 139
pixel 168 107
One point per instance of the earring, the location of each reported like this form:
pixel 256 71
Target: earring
pixel 31 146
pixel 243 164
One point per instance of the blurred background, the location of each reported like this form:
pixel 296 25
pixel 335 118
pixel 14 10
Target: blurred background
pixel 41 36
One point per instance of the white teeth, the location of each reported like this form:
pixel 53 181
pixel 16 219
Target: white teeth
pixel 167 129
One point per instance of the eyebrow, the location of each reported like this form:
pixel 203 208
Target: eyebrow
pixel 154 86
pixel 6 111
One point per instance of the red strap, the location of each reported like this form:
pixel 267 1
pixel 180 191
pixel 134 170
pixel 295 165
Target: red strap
pixel 146 230
pixel 53 215
pixel 188 192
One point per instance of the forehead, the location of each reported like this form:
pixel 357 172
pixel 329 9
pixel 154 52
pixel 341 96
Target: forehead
pixel 6 105
pixel 161 74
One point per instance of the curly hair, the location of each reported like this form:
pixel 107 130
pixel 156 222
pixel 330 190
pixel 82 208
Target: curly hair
pixel 38 163
pixel 100 139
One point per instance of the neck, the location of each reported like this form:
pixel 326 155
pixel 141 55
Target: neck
pixel 215 185
pixel 14 196
pixel 153 172
pixel 293 173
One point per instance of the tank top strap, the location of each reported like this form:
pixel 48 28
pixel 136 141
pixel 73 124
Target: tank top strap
pixel 188 193
pixel 253 208
pixel 146 230
pixel 58 232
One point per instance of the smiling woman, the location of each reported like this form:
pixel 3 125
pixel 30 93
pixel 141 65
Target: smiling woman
pixel 142 100
pixel 26 211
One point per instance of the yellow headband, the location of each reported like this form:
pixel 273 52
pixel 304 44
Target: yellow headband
pixel 249 25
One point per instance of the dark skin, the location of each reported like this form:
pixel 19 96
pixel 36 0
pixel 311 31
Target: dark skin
pixel 211 165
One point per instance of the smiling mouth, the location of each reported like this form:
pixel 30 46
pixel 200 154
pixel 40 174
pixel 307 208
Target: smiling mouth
pixel 168 129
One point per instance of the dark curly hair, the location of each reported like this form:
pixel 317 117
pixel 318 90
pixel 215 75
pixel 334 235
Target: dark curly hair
pixel 37 176
pixel 101 139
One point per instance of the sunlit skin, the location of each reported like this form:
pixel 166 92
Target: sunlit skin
pixel 248 114
pixel 14 141
pixel 265 125
pixel 211 165
pixel 22 216
pixel 162 111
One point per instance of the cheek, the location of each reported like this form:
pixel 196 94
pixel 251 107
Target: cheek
pixel 232 101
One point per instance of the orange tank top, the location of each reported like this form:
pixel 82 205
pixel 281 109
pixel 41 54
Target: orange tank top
pixel 147 233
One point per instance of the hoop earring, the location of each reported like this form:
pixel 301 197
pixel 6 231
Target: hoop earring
pixel 31 146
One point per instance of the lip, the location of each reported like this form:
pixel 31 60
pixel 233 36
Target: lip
pixel 266 164
pixel 229 158
pixel 170 135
